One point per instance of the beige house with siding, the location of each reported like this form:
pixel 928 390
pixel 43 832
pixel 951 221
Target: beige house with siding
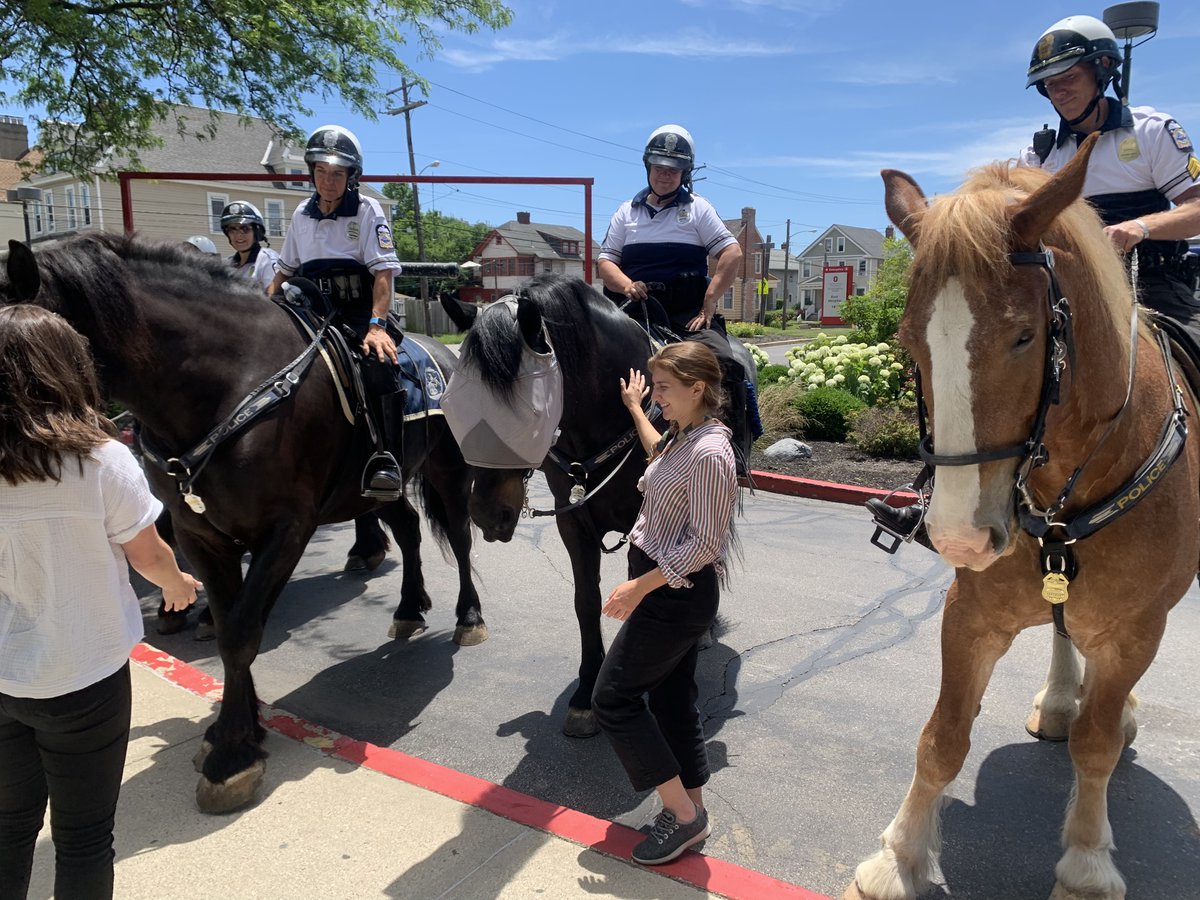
pixel 176 210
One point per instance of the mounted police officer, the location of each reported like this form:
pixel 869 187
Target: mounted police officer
pixel 342 241
pixel 247 234
pixel 665 235
pixel 1143 179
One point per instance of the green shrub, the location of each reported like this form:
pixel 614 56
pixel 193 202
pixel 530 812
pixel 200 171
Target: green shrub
pixel 875 373
pixel 775 319
pixel 826 412
pixel 744 329
pixel 889 431
pixel 771 373
pixel 778 408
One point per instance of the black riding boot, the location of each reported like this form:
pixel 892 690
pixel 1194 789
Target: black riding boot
pixel 906 523
pixel 382 478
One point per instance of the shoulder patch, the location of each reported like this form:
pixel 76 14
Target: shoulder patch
pixel 1179 136
pixel 1193 168
pixel 383 235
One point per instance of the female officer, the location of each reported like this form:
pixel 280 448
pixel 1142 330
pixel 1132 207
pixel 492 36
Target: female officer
pixel 247 234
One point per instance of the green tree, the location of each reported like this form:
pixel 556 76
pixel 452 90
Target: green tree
pixel 876 314
pixel 447 238
pixel 115 68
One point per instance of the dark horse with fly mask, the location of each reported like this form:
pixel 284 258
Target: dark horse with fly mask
pixel 180 340
pixel 597 454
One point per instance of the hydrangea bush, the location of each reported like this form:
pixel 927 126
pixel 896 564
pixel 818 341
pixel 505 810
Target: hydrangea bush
pixel 758 355
pixel 871 372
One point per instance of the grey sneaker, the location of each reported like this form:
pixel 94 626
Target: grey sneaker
pixel 668 838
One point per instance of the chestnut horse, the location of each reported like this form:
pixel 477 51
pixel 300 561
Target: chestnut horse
pixel 1027 397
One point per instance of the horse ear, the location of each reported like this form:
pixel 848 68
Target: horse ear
pixel 905 202
pixel 461 314
pixel 529 320
pixel 1039 209
pixel 23 277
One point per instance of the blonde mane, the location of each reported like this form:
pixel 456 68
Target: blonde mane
pixel 968 234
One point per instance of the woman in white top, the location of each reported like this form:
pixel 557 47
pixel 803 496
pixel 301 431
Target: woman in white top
pixel 74 507
pixel 247 234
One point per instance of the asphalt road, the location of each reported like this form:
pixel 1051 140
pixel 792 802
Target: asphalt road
pixel 814 694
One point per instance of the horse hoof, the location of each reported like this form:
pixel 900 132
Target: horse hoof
pixel 1065 893
pixel 1048 728
pixel 356 563
pixel 205 631
pixel 406 629
pixel 231 794
pixel 853 893
pixel 201 756
pixel 1130 730
pixel 580 723
pixel 171 623
pixel 470 635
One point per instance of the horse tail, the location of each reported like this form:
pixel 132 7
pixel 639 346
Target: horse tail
pixel 436 514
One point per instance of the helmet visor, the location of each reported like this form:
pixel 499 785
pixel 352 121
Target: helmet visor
pixel 670 162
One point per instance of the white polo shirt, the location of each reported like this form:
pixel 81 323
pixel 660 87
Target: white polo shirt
pixel 1142 161
pixel 356 232
pixel 68 615
pixel 650 244
pixel 260 270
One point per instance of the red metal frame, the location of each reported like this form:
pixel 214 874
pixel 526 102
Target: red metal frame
pixel 125 179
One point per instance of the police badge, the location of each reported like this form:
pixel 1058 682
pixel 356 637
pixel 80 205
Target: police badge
pixel 352 230
pixel 669 142
pixel 329 139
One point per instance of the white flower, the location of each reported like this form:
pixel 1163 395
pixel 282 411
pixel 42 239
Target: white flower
pixel 782 379
pixel 896 367
pixel 864 379
pixel 837 379
pixel 875 361
pixel 792 371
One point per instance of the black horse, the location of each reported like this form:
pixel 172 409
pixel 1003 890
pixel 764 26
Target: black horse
pixel 596 344
pixel 180 340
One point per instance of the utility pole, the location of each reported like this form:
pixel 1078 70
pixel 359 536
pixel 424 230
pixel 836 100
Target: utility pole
pixel 407 109
pixel 787 267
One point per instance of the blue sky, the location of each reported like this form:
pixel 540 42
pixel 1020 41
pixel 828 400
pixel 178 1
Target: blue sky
pixel 795 105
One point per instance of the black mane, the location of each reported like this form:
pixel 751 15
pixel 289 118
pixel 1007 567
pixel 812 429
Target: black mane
pixel 573 312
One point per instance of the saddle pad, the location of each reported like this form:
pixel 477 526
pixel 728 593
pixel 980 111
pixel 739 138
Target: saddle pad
pixel 422 377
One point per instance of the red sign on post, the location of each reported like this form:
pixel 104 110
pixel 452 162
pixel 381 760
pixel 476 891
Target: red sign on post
pixel 837 283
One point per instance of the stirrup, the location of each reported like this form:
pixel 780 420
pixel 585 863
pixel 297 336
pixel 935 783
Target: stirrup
pixel 896 537
pixel 380 456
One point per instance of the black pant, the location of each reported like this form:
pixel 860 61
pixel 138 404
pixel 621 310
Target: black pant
pixel 654 653
pixel 70 749
pixel 1169 293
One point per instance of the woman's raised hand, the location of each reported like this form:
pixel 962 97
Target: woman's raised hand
pixel 634 390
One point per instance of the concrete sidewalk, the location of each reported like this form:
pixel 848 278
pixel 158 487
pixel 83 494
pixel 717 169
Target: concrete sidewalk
pixel 328 828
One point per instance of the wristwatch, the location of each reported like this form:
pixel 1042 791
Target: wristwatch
pixel 376 320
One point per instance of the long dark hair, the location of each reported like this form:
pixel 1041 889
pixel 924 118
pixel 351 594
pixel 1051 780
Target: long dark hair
pixel 49 397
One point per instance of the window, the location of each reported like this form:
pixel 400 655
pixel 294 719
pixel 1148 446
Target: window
pixel 216 203
pixel 858 292
pixel 497 240
pixel 727 299
pixel 841 245
pixel 757 263
pixel 274 218
pixel 69 194
pixel 37 218
pixel 828 245
pixel 548 265
pixel 807 269
pixel 49 211
pixel 862 267
pixel 303 185
pixel 85 203
pixel 525 265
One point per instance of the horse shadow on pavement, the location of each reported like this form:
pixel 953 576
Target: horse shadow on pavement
pixel 1007 842
pixel 582 775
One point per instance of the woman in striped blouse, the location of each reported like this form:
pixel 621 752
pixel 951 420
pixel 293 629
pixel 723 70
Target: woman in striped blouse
pixel 676 558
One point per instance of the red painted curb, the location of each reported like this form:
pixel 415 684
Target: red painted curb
pixel 825 490
pixel 713 875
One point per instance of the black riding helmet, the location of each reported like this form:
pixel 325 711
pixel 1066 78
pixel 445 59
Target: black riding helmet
pixel 337 146
pixel 671 146
pixel 1067 43
pixel 242 212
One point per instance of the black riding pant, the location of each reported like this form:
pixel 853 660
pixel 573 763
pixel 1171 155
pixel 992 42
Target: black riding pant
pixel 1169 293
pixel 71 751
pixel 645 694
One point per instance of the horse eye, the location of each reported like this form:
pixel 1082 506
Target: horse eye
pixel 1024 340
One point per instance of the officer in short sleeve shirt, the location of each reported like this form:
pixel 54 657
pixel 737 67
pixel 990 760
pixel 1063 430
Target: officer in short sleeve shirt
pixel 1143 177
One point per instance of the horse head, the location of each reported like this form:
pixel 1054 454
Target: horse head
pixel 978 324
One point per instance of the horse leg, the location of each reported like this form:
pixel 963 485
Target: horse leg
pixel 370 545
pixel 1057 703
pixel 1086 869
pixel 232 764
pixel 407 620
pixel 584 550
pixel 446 489
pixel 905 865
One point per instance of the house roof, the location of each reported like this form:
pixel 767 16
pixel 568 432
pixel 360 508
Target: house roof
pixel 239 145
pixel 530 239
pixel 10 169
pixel 868 240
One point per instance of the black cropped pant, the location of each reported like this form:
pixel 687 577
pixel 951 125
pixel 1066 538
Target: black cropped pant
pixel 645 694
pixel 70 750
